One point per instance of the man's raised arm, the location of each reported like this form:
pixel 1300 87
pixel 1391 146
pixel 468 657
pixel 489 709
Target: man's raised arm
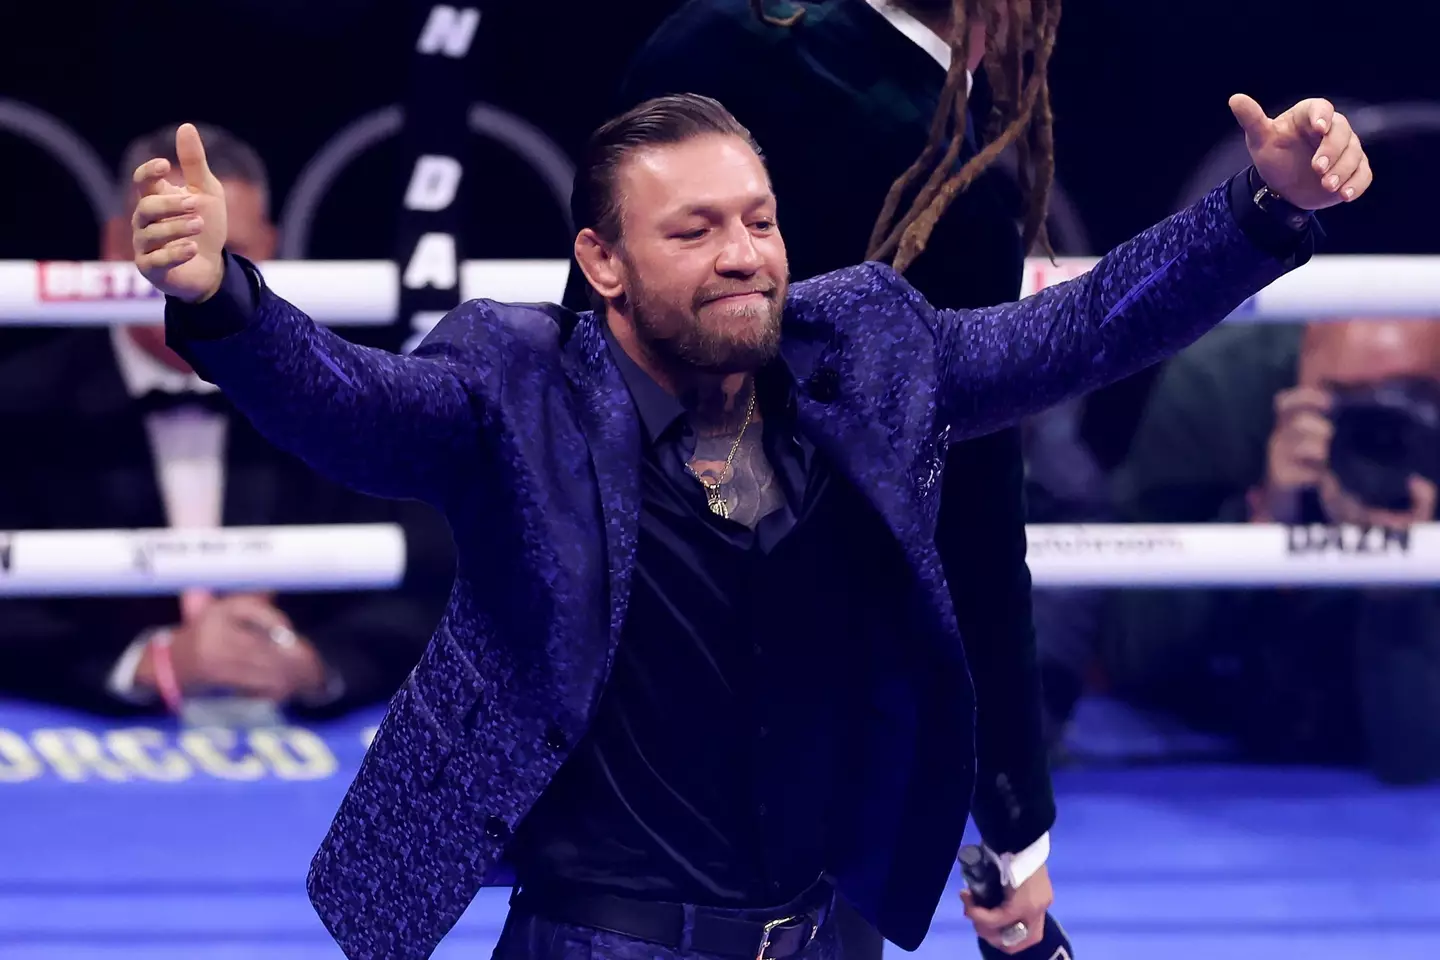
pixel 1159 292
pixel 380 423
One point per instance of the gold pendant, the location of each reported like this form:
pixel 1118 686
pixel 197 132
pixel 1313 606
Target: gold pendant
pixel 716 501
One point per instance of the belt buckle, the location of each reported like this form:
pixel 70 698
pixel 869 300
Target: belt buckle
pixel 773 925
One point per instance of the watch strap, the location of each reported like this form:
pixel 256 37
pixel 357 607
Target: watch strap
pixel 1274 205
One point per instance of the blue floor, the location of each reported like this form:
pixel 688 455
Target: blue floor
pixel 1201 861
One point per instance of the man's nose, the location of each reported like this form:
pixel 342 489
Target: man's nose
pixel 740 254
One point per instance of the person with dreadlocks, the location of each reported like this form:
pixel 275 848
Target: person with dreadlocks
pixel 884 125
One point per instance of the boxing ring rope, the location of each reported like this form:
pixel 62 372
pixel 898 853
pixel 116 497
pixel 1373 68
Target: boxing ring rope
pixel 366 292
pixel 370 556
pixel 166 561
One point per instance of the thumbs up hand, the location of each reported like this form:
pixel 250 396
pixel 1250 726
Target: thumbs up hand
pixel 178 232
pixel 1309 154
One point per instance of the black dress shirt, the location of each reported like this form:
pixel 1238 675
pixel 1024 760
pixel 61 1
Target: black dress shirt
pixel 707 773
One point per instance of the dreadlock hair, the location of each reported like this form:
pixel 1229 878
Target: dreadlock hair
pixel 1020 115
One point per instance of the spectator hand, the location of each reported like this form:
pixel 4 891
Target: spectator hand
pixel 1342 507
pixel 1296 455
pixel 1309 154
pixel 228 644
pixel 1027 904
pixel 178 232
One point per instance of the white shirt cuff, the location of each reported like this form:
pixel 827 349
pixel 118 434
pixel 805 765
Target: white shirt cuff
pixel 121 682
pixel 1016 868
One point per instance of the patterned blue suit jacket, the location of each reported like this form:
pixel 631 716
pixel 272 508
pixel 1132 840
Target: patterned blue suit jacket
pixel 513 420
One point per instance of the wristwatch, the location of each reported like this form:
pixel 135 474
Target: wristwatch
pixel 1296 218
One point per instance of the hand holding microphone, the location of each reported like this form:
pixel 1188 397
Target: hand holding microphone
pixel 1010 923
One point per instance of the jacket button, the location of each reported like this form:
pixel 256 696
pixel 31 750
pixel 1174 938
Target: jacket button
pixel 555 739
pixel 824 385
pixel 495 828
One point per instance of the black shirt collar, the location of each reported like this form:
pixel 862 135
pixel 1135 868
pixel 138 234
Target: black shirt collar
pixel 659 409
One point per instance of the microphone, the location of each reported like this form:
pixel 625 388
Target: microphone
pixel 981 870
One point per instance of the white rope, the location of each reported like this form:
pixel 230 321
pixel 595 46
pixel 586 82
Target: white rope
pixel 1231 555
pixel 371 556
pixel 166 561
pixel 366 292
pixel 115 562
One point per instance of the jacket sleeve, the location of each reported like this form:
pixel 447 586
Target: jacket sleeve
pixel 1145 300
pixel 379 423
pixel 64 651
pixel 59 649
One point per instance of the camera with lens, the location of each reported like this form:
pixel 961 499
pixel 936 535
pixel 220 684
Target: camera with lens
pixel 1385 432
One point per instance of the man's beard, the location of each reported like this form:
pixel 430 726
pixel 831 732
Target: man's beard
pixel 701 346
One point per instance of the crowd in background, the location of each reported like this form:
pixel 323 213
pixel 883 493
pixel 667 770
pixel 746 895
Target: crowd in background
pixel 1330 422
pixel 1334 422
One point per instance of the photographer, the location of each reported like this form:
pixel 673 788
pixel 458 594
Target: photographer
pixel 1331 423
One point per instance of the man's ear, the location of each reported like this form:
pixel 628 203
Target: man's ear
pixel 599 262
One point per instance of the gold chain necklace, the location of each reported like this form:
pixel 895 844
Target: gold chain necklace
pixel 713 497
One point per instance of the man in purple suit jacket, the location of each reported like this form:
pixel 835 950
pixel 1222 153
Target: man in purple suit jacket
pixel 695 532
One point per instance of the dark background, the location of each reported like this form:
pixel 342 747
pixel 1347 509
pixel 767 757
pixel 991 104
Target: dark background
pixel 1140 91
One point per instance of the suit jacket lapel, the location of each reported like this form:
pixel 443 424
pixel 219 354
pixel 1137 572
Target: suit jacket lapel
pixel 834 416
pixel 838 420
pixel 612 432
